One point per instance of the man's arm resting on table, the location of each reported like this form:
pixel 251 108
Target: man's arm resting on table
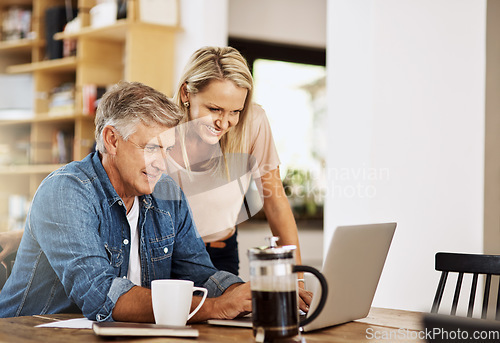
pixel 136 305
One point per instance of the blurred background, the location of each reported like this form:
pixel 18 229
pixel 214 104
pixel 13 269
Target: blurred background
pixel 382 110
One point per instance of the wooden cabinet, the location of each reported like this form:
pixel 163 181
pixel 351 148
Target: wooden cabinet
pixel 125 50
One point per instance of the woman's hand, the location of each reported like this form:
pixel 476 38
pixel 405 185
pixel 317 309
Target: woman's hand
pixel 305 298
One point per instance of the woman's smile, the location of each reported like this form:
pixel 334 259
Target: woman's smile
pixel 213 130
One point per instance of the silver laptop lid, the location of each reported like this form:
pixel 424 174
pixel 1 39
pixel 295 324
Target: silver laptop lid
pixel 352 268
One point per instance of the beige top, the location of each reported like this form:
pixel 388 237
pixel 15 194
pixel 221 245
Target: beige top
pixel 217 203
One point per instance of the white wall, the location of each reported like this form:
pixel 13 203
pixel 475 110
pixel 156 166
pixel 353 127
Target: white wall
pixel 210 22
pixel 406 83
pixel 202 22
pixel 297 22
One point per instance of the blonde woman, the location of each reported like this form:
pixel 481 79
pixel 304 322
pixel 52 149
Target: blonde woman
pixel 225 144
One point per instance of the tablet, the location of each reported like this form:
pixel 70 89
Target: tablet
pixel 142 329
pixel 243 322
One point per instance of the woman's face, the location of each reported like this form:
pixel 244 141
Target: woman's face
pixel 216 109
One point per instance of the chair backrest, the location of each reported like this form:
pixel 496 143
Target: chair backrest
pixel 3 275
pixel 442 328
pixel 6 268
pixel 474 264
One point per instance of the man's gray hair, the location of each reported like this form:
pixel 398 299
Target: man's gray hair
pixel 127 104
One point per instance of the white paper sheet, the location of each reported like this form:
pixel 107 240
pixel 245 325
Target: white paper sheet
pixel 77 323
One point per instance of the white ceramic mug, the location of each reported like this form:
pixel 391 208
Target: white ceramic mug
pixel 172 301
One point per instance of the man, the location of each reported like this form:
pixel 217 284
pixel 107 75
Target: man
pixel 101 229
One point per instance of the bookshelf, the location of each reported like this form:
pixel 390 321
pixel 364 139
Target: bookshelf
pixel 127 49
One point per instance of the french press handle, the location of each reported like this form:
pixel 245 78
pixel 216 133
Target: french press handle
pixel 324 292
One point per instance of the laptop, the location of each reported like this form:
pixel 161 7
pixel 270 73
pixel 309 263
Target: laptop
pixel 352 269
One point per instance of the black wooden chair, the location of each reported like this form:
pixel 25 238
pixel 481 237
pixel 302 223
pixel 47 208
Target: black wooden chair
pixel 442 328
pixel 474 264
pixel 6 269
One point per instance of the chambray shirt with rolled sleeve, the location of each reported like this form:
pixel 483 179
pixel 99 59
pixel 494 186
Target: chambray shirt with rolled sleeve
pixel 75 249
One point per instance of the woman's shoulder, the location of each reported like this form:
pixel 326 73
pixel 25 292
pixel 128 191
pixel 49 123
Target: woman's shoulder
pixel 259 122
pixel 257 113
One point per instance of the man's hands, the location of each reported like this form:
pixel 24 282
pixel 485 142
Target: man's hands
pixel 135 305
pixel 236 301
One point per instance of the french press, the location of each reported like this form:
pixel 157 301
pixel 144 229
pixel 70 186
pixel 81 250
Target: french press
pixel 273 282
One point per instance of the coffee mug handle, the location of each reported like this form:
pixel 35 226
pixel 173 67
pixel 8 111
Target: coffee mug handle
pixel 205 292
pixel 324 292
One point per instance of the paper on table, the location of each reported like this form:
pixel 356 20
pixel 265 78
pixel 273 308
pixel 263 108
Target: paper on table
pixel 77 323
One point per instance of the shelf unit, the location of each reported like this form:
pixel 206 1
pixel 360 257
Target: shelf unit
pixel 126 50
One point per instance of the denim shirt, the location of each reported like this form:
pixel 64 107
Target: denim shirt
pixel 75 249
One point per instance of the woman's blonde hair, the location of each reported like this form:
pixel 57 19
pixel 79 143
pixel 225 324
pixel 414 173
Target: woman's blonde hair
pixel 218 63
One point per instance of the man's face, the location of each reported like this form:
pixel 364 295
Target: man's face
pixel 140 161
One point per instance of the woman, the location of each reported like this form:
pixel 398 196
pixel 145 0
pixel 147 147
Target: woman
pixel 226 143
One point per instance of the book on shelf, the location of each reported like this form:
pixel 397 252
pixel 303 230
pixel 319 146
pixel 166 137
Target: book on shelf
pixel 56 18
pixel 91 94
pixel 16 150
pixel 73 25
pixel 16 23
pixel 62 99
pixel 62 146
pixel 21 150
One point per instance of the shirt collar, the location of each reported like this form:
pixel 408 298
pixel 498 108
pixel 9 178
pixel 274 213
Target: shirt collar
pixel 109 190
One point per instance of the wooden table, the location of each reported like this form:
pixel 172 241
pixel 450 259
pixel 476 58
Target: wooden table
pixel 381 325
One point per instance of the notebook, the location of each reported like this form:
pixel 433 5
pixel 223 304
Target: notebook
pixel 352 268
pixel 142 329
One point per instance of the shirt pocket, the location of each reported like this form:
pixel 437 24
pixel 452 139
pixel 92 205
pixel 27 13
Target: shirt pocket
pixel 160 254
pixel 161 249
pixel 115 255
